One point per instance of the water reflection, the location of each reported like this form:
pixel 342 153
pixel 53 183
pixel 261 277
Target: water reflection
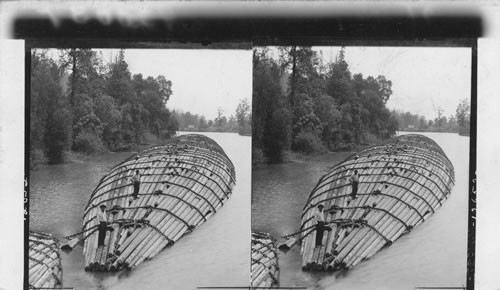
pixel 59 193
pixel 433 254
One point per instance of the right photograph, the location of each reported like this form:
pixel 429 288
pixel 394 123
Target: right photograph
pixel 360 167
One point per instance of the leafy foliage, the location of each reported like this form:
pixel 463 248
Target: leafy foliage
pixel 414 122
pixel 79 103
pixel 243 112
pixel 307 142
pixel 194 122
pixel 271 114
pixel 50 120
pixel 320 104
pixel 463 113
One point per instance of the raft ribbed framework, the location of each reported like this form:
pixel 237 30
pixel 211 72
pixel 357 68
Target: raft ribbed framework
pixel 401 184
pixel 44 261
pixel 265 268
pixel 183 183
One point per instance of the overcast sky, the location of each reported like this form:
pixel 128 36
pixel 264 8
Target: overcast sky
pixel 202 79
pixel 423 78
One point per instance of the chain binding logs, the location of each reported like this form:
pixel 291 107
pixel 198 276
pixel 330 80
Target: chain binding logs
pixel 44 261
pixel 264 267
pixel 401 184
pixel 182 184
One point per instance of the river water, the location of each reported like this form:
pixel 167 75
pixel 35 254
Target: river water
pixel 433 254
pixel 215 254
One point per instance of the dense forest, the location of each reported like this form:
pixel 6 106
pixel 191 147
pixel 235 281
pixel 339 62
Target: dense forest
pixel 302 104
pixel 81 104
pixel 459 122
pixel 240 122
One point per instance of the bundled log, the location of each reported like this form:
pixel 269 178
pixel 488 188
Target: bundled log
pixel 183 183
pixel 401 184
pixel 44 261
pixel 264 266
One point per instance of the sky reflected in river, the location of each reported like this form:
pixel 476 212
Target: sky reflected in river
pixel 433 254
pixel 205 257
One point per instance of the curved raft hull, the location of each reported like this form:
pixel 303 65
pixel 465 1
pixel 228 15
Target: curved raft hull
pixel 401 184
pixel 44 261
pixel 183 183
pixel 265 269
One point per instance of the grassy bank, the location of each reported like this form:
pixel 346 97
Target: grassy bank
pixel 258 158
pixel 39 161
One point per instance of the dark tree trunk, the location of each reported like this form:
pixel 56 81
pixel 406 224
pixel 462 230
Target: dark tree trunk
pixel 73 78
pixel 294 73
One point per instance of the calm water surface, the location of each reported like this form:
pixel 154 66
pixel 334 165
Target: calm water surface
pixel 433 254
pixel 215 254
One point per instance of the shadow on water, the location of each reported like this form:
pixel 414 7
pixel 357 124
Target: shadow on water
pixel 433 254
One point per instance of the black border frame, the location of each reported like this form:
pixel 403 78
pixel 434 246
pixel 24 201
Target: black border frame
pixel 471 238
pixel 222 32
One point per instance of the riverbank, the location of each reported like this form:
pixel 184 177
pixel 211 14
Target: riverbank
pixel 71 157
pixel 289 156
pixel 36 162
pixel 243 131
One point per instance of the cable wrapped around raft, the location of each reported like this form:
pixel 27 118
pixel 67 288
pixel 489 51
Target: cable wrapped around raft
pixel 183 183
pixel 45 269
pixel 264 261
pixel 401 184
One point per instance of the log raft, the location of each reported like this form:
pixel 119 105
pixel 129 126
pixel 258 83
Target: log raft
pixel 401 184
pixel 45 269
pixel 264 265
pixel 183 183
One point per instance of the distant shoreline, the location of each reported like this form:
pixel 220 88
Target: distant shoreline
pixel 461 132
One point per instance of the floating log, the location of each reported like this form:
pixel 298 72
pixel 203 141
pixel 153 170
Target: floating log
pixel 183 183
pixel 45 269
pixel 69 245
pixel 401 184
pixel 264 266
pixel 287 244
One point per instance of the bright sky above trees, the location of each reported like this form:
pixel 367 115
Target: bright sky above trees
pixel 423 78
pixel 202 79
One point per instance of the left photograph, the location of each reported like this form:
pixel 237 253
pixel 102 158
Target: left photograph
pixel 140 168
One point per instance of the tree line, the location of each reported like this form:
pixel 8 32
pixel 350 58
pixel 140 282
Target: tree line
pixel 79 103
pixel 455 123
pixel 304 104
pixel 240 122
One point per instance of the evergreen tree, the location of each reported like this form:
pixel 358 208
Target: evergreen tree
pixel 50 115
pixel 271 118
